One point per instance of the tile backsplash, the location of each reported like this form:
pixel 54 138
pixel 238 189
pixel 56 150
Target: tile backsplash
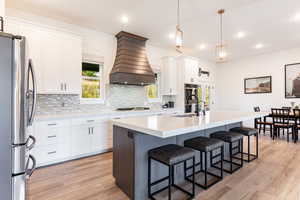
pixel 116 96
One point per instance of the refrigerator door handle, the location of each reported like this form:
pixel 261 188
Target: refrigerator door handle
pixel 32 92
pixel 29 172
pixel 32 143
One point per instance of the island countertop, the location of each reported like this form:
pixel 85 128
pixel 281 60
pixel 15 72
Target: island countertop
pixel 169 126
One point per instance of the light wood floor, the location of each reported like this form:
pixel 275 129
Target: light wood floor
pixel 274 176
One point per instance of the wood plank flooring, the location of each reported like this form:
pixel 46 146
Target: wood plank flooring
pixel 274 176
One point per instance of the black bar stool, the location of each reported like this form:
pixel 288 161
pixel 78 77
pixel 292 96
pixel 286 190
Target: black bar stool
pixel 248 132
pixel 207 146
pixel 230 138
pixel 170 155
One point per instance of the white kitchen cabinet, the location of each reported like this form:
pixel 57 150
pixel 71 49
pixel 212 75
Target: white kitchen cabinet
pixel 169 76
pixel 81 140
pixel 100 137
pixel 33 51
pixel 191 67
pixel 61 63
pixel 71 62
pixel 56 57
pixel 52 141
pixel 52 63
pixel 89 135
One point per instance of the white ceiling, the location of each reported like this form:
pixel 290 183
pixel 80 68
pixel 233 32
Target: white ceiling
pixel 265 21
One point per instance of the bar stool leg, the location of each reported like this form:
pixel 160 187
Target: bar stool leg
pixel 149 177
pixel 170 181
pixel 201 161
pixel 230 154
pixel 185 170
pixel 193 192
pixel 242 155
pixel 248 148
pixel 222 158
pixel 257 145
pixel 205 169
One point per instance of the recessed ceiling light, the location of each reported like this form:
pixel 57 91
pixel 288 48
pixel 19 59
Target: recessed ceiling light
pixel 202 46
pixel 124 19
pixel 172 36
pixel 296 17
pixel 258 46
pixel 240 35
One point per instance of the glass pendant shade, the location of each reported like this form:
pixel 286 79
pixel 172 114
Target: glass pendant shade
pixel 179 37
pixel 221 53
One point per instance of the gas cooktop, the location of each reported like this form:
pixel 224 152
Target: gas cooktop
pixel 133 109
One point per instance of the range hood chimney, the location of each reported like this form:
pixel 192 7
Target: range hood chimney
pixel 131 65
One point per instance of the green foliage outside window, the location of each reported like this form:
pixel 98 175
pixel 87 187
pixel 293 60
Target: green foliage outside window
pixel 207 96
pixel 90 83
pixel 90 88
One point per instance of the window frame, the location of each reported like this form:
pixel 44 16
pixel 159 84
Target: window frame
pixel 100 100
pixel 159 97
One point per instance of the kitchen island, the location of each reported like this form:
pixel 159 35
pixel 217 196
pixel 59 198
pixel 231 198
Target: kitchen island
pixel 134 137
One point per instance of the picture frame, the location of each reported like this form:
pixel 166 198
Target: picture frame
pixel 292 80
pixel 258 85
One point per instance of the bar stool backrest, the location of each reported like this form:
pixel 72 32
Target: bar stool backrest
pixel 296 113
pixel 280 115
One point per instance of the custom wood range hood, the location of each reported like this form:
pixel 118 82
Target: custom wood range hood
pixel 131 66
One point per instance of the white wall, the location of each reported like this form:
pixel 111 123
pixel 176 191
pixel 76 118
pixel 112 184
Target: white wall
pixel 230 81
pixel 2 8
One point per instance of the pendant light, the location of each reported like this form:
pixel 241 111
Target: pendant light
pixel 179 32
pixel 221 52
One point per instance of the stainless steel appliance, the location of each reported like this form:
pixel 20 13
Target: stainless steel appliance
pixel 192 100
pixel 17 111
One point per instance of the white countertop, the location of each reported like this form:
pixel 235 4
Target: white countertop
pixel 169 126
pixel 104 114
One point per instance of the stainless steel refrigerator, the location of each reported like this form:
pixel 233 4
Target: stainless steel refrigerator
pixel 17 110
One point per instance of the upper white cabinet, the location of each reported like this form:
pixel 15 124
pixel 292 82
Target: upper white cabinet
pixel 169 76
pixel 191 67
pixel 56 57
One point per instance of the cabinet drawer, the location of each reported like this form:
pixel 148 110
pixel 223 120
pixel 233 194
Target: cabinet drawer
pixel 54 132
pixel 88 121
pixel 55 124
pixel 50 153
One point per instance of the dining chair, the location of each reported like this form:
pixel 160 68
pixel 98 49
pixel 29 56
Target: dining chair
pixel 261 122
pixel 282 121
pixel 296 113
pixel 286 107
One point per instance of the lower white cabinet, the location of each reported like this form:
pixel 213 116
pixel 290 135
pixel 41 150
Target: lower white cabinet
pixel 63 140
pixel 80 143
pixel 90 138
pixel 100 137
pixel 52 141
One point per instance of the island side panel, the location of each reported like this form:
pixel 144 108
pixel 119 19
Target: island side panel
pixel 123 160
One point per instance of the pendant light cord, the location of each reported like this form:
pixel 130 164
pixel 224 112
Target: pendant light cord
pixel 178 13
pixel 221 29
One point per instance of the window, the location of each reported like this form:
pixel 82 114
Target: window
pixel 153 91
pixel 91 82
